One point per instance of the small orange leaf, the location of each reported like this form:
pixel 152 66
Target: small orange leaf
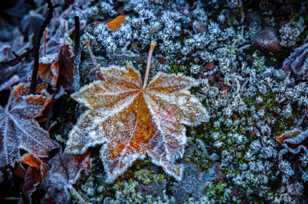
pixel 116 23
pixel 286 135
pixel 43 71
pixel 31 161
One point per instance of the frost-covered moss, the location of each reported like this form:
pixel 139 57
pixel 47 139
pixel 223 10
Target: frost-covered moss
pixel 234 158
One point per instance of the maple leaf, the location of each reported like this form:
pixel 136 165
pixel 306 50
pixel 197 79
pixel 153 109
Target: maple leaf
pixel 19 129
pixel 132 120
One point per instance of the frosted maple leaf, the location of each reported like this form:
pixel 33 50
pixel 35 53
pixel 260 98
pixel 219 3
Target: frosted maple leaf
pixel 18 127
pixel 132 120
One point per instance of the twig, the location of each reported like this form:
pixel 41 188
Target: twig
pixel 97 67
pixel 76 194
pixel 76 82
pixel 77 34
pixel 45 41
pixel 13 80
pixel 149 61
pixel 93 59
pixel 36 46
pixel 16 60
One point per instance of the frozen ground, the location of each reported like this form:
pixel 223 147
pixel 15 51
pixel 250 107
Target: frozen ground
pixel 251 58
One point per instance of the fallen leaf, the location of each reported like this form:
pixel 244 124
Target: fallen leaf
pixel 67 67
pixel 57 181
pixel 64 172
pixel 116 23
pixel 297 62
pixel 31 161
pixel 132 121
pixel 58 70
pixel 18 127
pixel 32 175
pixel 32 179
pixel 286 135
pixel 294 141
pixel 49 72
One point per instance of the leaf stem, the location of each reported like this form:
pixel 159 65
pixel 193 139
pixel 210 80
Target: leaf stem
pixel 76 194
pixel 36 46
pixel 8 104
pixel 93 59
pixel 149 61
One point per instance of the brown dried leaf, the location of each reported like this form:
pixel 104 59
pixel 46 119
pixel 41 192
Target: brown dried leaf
pixel 58 70
pixel 67 67
pixel 57 180
pixel 33 175
pixel 65 171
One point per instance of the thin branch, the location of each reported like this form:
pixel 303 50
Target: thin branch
pixel 149 61
pixel 37 43
pixel 76 194
pixel 15 60
pixel 13 80
pixel 77 34
pixel 76 81
pixel 93 58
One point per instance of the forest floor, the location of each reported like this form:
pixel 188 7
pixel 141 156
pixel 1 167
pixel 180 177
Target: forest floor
pixel 249 57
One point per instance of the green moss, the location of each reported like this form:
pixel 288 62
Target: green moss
pixel 175 68
pixel 258 63
pixel 269 100
pixel 279 127
pixel 268 105
pixel 216 191
pixel 147 176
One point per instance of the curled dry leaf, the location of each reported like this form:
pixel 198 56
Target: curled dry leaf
pixel 297 62
pixel 33 175
pixel 58 70
pixel 287 135
pixel 131 120
pixel 64 172
pixel 18 127
pixel 297 142
pixel 267 41
pixel 57 180
pixel 32 161
pixel 116 23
